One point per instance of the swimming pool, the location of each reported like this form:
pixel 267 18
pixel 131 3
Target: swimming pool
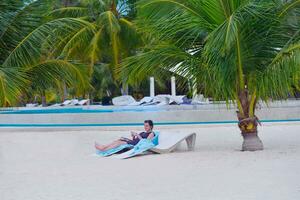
pixel 150 108
pixel 135 115
pixel 77 110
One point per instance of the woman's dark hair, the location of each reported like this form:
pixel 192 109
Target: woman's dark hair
pixel 150 122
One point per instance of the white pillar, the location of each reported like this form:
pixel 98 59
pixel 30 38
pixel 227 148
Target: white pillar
pixel 173 86
pixel 152 90
pixel 124 89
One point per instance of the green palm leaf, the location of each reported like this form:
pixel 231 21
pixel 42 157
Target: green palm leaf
pixel 28 51
pixel 49 73
pixel 17 20
pixel 12 82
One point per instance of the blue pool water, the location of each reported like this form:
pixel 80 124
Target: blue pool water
pixel 76 110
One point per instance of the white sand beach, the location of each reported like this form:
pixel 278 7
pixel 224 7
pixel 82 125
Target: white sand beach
pixel 61 165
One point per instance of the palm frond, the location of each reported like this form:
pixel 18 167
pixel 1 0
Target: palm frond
pixel 12 82
pixel 234 44
pixel 17 23
pixel 28 52
pixel 78 42
pixel 112 28
pixel 48 73
pixel 72 12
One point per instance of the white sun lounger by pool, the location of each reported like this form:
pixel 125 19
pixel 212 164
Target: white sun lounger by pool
pixel 177 99
pixel 73 102
pixel 31 105
pixel 82 102
pixel 167 142
pixel 159 100
pixel 142 101
pixel 123 100
pixel 66 103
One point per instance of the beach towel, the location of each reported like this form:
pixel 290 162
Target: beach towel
pixel 114 150
pixel 140 148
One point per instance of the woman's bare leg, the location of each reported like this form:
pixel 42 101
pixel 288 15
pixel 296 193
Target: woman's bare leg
pixel 99 146
pixel 114 145
pixel 109 146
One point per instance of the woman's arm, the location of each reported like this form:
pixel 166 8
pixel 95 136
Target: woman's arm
pixel 133 134
pixel 139 136
pixel 150 136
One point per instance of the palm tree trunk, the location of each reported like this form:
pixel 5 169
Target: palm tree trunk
pixel 44 102
pixel 65 92
pixel 252 142
pixel 248 122
pixel 113 8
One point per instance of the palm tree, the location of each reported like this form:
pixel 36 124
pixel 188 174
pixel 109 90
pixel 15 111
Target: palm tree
pixel 91 33
pixel 240 51
pixel 19 69
pixel 106 34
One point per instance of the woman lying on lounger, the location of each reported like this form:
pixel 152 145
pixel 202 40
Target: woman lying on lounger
pixel 147 134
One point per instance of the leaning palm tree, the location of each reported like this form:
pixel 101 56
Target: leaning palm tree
pixel 240 51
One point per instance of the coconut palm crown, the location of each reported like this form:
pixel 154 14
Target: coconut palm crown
pixel 101 32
